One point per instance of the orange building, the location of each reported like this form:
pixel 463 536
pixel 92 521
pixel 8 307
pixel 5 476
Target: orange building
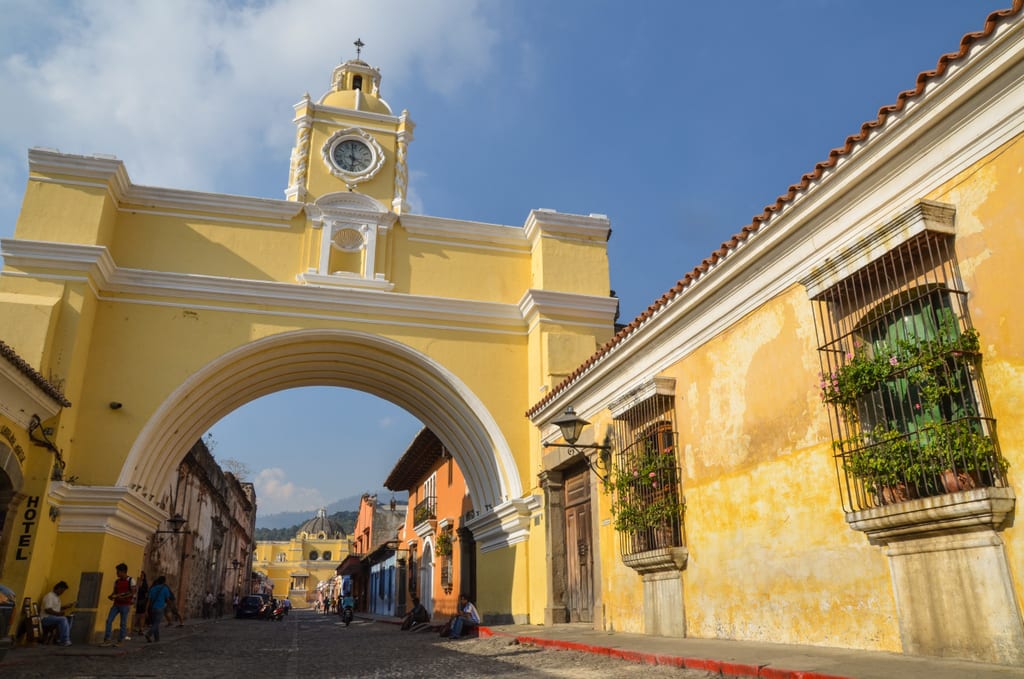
pixel 441 549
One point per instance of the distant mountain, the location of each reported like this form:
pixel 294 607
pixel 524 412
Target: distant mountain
pixel 347 504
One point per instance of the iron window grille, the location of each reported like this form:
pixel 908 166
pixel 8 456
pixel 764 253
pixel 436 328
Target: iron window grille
pixel 447 573
pixel 648 501
pixel 901 378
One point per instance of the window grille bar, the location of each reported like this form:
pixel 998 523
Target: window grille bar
pixel 901 375
pixel 647 478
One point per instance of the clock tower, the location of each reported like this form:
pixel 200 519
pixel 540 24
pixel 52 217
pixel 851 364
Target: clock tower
pixel 349 167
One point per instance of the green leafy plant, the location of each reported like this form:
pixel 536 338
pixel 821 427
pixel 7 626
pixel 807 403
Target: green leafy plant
pixel 645 492
pixel 883 458
pixel 924 363
pixel 960 446
pixel 422 513
pixel 917 393
pixel 443 544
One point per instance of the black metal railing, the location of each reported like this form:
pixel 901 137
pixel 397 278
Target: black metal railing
pixel 425 510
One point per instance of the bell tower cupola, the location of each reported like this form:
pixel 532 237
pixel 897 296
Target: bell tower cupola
pixel 349 168
pixel 351 141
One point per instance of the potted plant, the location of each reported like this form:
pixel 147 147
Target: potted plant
pixel 443 544
pixel 912 406
pixel 645 498
pixel 887 461
pixel 422 513
pixel 961 455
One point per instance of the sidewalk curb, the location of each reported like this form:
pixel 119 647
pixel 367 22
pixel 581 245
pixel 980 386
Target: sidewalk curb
pixel 726 669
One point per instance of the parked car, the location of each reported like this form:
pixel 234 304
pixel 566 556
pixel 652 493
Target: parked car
pixel 249 607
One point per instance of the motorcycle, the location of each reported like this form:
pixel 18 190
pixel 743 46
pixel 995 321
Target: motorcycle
pixel 346 613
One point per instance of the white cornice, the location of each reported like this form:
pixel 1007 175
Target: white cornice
pixel 197 201
pixel 543 222
pixel 348 113
pixel 95 263
pixel 439 229
pixel 21 398
pixel 105 509
pixel 634 396
pixel 536 305
pixel 113 173
pixel 345 279
pixel 936 137
pixel 506 524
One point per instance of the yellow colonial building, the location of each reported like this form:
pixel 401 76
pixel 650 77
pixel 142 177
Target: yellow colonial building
pixel 294 568
pixel 181 306
pixel 815 437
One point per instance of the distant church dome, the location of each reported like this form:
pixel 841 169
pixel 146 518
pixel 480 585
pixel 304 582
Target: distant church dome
pixel 321 528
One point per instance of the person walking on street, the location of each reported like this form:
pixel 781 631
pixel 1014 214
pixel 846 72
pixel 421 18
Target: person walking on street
pixel 141 601
pixel 208 605
pixel 159 596
pixel 122 597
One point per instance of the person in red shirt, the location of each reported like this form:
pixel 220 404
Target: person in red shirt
pixel 122 596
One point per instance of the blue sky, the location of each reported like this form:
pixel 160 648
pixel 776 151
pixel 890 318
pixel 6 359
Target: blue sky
pixel 678 120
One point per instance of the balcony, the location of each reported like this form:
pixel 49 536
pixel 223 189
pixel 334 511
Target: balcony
pixel 424 516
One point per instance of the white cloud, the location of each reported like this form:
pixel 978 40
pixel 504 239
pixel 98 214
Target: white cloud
pixel 199 93
pixel 274 493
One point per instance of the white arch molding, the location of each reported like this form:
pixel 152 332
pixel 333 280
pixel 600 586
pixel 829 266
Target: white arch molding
pixel 339 358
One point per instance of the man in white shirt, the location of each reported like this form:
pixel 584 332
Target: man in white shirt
pixel 468 618
pixel 55 616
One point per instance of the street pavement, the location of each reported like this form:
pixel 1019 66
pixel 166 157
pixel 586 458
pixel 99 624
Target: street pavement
pixel 309 645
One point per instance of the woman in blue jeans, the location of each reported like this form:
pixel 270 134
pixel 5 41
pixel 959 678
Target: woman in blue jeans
pixel 159 595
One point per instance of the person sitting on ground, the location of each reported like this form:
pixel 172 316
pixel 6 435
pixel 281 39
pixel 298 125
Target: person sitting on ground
pixel 417 616
pixel 467 620
pixel 56 615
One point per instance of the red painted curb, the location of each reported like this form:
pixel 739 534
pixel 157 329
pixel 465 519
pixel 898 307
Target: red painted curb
pixel 726 669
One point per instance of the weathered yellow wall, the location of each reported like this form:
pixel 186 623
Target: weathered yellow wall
pixel 769 550
pixel 989 200
pixel 771 557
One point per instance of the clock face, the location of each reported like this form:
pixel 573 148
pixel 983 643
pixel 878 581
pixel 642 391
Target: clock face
pixel 352 155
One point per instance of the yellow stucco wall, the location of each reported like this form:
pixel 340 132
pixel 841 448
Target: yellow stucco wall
pixel 989 200
pixel 771 557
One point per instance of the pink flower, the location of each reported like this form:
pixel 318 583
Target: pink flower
pixel 651 475
pixel 654 484
pixel 635 473
pixel 849 355
pixel 893 360
pixel 917 406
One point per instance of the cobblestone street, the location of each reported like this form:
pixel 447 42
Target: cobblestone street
pixel 310 645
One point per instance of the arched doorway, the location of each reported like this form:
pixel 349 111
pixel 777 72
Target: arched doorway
pixel 427 577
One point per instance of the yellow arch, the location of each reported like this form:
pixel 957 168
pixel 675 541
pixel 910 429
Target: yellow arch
pixel 337 358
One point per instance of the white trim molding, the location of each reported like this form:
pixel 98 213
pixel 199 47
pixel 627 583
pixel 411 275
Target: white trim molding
pixel 506 524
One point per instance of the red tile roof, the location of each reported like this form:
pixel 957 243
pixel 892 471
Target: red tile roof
pixel 28 371
pixel 757 223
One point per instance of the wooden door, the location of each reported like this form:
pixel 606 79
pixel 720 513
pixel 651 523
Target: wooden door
pixel 579 591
